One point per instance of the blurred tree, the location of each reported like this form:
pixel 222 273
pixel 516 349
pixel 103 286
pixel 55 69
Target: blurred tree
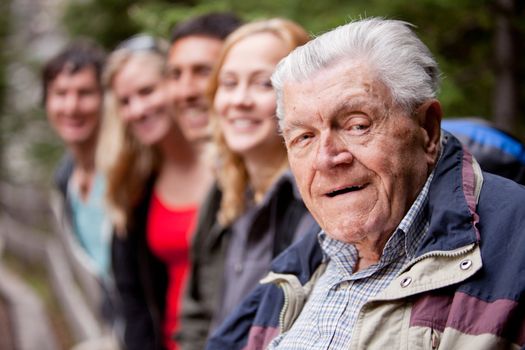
pixel 509 49
pixel 478 43
pixel 4 27
pixel 107 21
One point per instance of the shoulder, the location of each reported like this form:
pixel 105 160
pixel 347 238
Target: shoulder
pixel 501 227
pixel 500 196
pixel 501 204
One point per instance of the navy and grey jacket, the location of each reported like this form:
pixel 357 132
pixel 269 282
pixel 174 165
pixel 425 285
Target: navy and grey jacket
pixel 468 285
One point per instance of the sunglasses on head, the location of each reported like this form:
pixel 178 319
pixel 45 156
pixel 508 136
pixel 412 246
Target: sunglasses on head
pixel 143 42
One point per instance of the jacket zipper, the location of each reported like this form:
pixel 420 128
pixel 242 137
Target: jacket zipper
pixel 286 291
pixel 435 254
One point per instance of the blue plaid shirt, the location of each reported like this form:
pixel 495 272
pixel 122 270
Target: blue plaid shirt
pixel 328 318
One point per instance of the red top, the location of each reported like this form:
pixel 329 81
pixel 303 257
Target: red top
pixel 169 234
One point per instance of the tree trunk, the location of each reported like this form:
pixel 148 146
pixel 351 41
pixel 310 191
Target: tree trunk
pixel 505 103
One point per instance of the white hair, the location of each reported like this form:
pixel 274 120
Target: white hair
pixel 392 51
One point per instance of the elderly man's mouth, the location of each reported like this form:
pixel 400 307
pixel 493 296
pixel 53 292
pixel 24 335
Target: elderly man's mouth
pixel 344 190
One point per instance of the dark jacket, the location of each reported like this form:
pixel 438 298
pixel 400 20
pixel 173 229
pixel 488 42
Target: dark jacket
pixel 63 173
pixel 141 279
pixel 285 211
pixel 467 286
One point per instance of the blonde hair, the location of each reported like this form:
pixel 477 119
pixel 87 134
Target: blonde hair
pixel 126 163
pixel 232 176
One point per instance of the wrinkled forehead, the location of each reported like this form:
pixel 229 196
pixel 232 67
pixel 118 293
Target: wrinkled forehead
pixel 327 89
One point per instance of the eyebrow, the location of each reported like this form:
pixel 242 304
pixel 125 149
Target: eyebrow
pixel 348 105
pixel 258 72
pixel 293 125
pixel 340 108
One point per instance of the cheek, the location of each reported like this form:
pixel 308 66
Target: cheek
pixel 52 105
pixel 91 106
pixel 267 105
pixel 221 123
pixel 272 130
pixel 220 102
pixel 164 107
pixel 302 174
pixel 124 115
pixel 202 83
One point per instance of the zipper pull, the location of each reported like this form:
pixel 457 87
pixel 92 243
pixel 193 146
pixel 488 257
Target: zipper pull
pixel 434 339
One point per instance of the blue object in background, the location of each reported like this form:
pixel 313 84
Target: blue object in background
pixel 496 151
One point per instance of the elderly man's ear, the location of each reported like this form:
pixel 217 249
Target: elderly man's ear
pixel 429 117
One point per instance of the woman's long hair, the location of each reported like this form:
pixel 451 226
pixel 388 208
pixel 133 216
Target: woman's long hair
pixel 126 163
pixel 232 175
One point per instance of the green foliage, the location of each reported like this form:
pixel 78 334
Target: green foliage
pixel 459 32
pixel 107 21
pixel 45 153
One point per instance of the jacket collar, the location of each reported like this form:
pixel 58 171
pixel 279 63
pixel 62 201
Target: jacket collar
pixel 452 200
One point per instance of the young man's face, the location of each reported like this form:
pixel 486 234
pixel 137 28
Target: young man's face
pixel 190 62
pixel 73 106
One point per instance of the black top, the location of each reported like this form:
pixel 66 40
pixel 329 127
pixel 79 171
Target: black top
pixel 141 279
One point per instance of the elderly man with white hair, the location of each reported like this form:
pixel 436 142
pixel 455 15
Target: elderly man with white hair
pixel 419 248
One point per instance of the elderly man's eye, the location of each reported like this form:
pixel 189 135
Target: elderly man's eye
pixel 302 140
pixel 358 125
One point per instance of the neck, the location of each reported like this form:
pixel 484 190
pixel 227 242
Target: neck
pixel 370 249
pixel 264 169
pixel 174 148
pixel 84 156
pixel 184 176
pixel 84 171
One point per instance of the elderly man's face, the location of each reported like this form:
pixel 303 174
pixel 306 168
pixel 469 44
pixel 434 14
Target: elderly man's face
pixel 359 160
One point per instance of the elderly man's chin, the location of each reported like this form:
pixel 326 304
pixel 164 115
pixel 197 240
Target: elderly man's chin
pixel 350 229
pixel 357 221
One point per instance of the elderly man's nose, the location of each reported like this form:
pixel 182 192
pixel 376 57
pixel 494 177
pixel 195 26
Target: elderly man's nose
pixel 331 153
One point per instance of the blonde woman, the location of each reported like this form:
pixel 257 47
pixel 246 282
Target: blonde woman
pixel 156 182
pixel 254 212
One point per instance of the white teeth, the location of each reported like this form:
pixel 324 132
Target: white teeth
pixel 242 123
pixel 194 112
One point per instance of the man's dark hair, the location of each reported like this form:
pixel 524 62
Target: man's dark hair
pixel 216 25
pixel 78 55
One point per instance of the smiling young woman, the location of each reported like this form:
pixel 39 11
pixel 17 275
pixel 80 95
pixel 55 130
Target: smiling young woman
pixel 156 182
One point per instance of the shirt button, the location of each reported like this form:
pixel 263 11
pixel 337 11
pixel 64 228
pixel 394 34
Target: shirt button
pixel 344 285
pixel 465 264
pixel 405 282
